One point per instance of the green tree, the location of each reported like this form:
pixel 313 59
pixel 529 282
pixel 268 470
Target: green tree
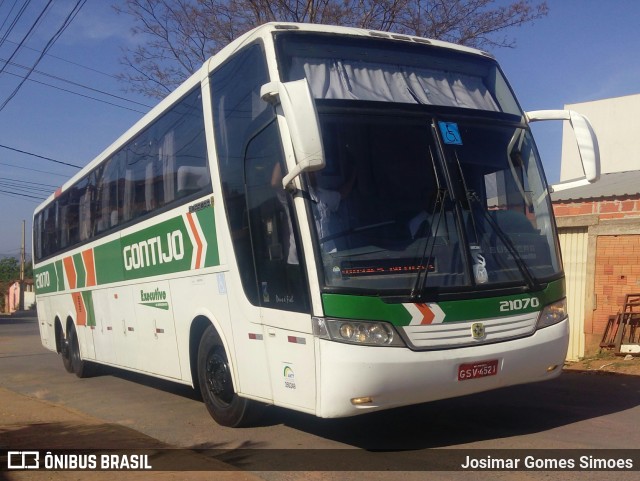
pixel 177 36
pixel 9 269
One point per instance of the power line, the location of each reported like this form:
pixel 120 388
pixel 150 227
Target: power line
pixel 72 15
pixel 31 29
pixel 24 187
pixel 17 194
pixel 76 84
pixel 40 156
pixel 34 170
pixel 15 20
pixel 79 94
pixel 67 61
pixel 9 179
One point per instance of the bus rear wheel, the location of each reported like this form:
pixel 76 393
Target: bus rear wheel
pixel 65 352
pixel 216 384
pixel 81 368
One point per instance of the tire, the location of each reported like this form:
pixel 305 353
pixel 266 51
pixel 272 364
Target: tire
pixel 216 384
pixel 65 352
pixel 81 368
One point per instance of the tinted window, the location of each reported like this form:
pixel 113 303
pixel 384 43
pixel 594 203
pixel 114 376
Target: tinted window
pixel 162 166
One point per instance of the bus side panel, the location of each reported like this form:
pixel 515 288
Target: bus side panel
pixel 85 337
pixel 105 331
pixel 197 296
pixel 45 324
pixel 153 306
pixel 125 328
pixel 292 367
pixel 250 342
pixel 61 306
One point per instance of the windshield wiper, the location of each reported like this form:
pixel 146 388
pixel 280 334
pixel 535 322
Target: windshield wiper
pixel 421 282
pixel 473 198
pixel 532 282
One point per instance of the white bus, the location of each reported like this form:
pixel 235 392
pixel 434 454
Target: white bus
pixel 328 219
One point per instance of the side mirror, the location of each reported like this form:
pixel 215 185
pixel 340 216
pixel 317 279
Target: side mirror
pixel 585 137
pixel 302 120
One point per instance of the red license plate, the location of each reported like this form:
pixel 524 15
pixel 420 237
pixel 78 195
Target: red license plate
pixel 477 369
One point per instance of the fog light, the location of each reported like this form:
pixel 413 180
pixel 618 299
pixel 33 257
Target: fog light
pixel 552 368
pixel 357 401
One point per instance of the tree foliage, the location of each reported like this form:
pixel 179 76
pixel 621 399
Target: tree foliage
pixel 179 35
pixel 9 269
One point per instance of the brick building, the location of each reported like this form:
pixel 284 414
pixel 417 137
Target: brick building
pixel 599 227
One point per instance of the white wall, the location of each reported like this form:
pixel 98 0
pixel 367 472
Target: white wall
pixel 616 122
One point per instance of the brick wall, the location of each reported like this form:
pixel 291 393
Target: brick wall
pixel 617 257
pixel 605 208
pixel 617 273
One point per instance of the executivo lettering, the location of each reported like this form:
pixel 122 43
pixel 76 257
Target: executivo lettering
pixel 156 295
pixel 153 251
pixel 155 298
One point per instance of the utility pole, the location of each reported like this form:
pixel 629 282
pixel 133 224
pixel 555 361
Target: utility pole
pixel 21 302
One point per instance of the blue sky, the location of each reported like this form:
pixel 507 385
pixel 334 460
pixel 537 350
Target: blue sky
pixel 583 50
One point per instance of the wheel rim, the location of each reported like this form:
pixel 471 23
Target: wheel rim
pixel 218 379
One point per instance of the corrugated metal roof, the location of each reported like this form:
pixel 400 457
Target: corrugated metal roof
pixel 615 184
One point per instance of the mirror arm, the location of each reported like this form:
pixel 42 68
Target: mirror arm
pixel 299 111
pixel 585 137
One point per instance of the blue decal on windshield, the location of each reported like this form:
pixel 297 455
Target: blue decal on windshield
pixel 450 133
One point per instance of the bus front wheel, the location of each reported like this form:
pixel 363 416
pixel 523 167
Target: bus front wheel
pixel 216 384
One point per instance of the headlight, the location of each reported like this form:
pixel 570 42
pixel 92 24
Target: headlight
pixel 552 314
pixel 357 332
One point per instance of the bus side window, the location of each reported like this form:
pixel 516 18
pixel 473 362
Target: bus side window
pixel 50 241
pixel 167 156
pixel 273 237
pixel 238 111
pixel 85 214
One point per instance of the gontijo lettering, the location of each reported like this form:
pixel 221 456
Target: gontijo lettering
pixel 154 251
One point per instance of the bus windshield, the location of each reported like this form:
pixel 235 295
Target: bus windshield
pixel 432 184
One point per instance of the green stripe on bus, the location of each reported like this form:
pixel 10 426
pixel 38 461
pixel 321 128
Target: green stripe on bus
pixel 81 272
pixel 207 221
pixel 164 248
pixel 500 306
pixel 59 275
pixel 108 260
pixel 346 306
pixel 375 309
pixel 87 297
pixel 46 279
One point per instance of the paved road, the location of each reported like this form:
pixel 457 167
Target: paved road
pixel 576 411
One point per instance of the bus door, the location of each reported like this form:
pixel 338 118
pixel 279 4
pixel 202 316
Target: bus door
pixel 281 289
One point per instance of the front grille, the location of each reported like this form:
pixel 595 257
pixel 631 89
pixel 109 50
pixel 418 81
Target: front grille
pixel 459 334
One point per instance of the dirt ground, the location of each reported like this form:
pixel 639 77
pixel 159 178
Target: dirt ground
pixel 28 423
pixel 606 362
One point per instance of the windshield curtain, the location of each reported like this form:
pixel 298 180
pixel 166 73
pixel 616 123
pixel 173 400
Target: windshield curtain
pixel 351 68
pixel 401 209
